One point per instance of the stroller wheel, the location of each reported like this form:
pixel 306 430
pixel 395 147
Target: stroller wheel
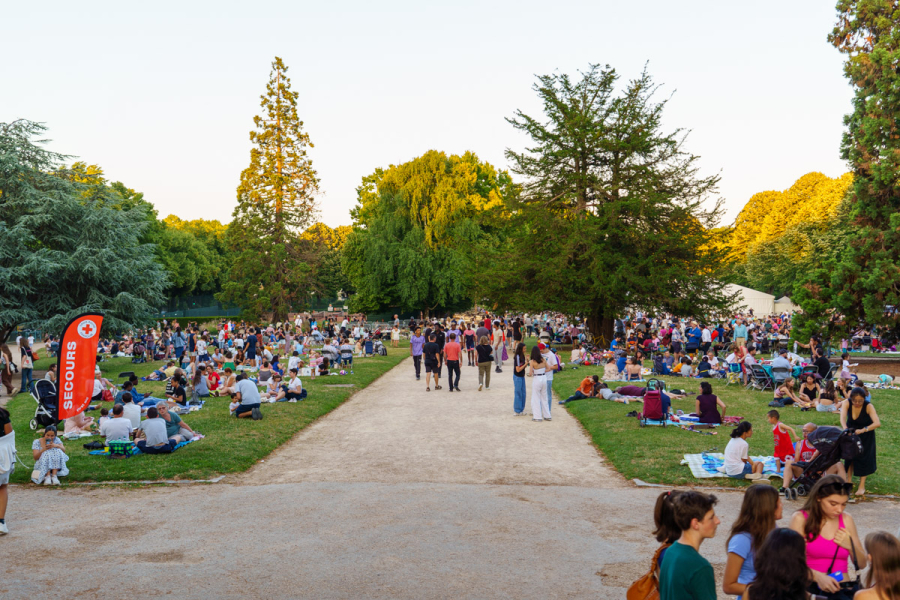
pixel 33 424
pixel 801 490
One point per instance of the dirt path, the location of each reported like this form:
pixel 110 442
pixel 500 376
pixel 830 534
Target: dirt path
pixel 397 494
pixel 396 432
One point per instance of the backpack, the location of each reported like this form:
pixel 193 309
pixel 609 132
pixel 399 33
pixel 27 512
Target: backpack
pixel 647 587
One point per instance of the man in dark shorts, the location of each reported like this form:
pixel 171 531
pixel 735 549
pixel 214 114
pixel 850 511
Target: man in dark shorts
pixel 440 338
pixel 251 347
pixel 517 330
pixel 431 351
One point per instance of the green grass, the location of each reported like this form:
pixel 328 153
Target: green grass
pixel 231 445
pixel 653 454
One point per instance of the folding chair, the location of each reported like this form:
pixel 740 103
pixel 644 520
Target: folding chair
pixel 809 370
pixel 779 374
pixel 760 379
pixel 830 376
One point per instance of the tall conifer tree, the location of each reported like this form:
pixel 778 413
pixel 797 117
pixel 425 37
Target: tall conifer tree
pixel 613 212
pixel 271 271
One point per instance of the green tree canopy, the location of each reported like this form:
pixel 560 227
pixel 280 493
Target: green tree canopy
pixel 613 211
pixel 417 228
pixel 63 248
pixel 271 265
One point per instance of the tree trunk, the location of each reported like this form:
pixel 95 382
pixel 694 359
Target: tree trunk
pixel 601 327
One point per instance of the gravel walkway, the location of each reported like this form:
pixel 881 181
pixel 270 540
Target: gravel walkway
pixel 399 493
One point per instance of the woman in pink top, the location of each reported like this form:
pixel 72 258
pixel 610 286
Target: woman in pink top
pixel 830 534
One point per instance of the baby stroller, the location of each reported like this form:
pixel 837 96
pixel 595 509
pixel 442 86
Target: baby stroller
pixel 379 348
pixel 833 445
pixel 44 393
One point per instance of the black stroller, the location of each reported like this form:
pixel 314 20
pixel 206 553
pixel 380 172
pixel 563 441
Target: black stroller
pixel 833 445
pixel 44 393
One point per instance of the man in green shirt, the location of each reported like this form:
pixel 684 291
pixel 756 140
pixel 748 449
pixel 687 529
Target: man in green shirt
pixel 684 574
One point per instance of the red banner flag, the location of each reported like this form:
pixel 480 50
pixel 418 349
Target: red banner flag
pixel 77 360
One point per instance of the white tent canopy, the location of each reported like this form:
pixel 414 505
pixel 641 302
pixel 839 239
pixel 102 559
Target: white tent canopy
pixel 785 304
pixel 763 304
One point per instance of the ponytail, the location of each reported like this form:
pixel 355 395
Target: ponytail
pixel 742 428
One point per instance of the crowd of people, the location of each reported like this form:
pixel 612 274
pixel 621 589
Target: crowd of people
pixel 810 558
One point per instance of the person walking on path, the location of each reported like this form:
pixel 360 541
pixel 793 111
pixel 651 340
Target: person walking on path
pixel 7 452
pixel 452 350
pixel 552 365
pixel 6 373
pixel 483 359
pixel 27 362
pixel 431 351
pixel 416 343
pixel 859 415
pixel 497 342
pixel 519 364
pixel 469 336
pixel 539 406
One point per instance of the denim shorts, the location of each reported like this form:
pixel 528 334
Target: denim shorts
pixel 747 470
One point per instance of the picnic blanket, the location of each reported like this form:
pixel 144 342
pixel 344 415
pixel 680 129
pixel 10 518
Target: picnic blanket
pixel 133 450
pixel 706 465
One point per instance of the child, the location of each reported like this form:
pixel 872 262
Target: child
pixel 846 366
pixel 323 366
pixel 104 417
pixel 784 447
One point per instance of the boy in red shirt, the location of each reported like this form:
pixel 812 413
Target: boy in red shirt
pixel 784 447
pixel 452 351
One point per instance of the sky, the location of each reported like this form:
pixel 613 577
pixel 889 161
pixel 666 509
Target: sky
pixel 162 95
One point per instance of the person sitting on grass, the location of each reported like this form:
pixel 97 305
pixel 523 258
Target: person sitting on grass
pixel 707 405
pixel 176 429
pixel 804 454
pixel 632 370
pixel 131 411
pixel 295 389
pixel 738 464
pixel 829 400
pixel 49 457
pixel 247 394
pixel 585 390
pixel 275 389
pixel 610 370
pixel 178 395
pixel 153 434
pixel 229 384
pixel 704 369
pixel 685 574
pixel 785 394
pixel 119 427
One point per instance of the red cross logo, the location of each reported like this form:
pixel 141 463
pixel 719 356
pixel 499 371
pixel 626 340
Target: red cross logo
pixel 86 329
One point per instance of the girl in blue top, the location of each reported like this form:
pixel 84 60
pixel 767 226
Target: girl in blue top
pixel 761 508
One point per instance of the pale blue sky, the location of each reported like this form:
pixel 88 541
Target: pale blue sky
pixel 162 95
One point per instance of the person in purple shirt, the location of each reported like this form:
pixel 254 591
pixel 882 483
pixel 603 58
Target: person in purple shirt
pixel 416 342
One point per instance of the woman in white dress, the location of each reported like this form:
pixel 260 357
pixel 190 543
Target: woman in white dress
pixel 395 337
pixel 539 408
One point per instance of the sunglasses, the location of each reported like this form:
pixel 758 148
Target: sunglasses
pixel 843 488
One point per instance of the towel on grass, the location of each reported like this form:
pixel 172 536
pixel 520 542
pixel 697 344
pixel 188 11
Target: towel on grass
pixel 706 466
pixel 134 449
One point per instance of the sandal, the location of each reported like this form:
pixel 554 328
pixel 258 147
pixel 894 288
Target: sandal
pixel 428 389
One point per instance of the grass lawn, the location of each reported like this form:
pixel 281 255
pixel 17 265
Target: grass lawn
pixel 653 454
pixel 230 446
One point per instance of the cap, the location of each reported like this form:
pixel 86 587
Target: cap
pixel 783 351
pixel 541 346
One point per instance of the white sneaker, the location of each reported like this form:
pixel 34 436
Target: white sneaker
pixel 752 476
pixel 626 401
pixel 487 388
pixel 3 529
pixel 54 480
pixel 47 481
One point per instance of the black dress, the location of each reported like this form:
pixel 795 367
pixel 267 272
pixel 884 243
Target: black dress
pixel 865 463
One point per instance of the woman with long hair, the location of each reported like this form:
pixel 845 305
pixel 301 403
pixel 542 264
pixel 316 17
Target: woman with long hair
pixel 883 579
pixel 519 364
pixel 830 534
pixel 859 415
pixel 761 508
pixel 666 529
pixel 781 572
pixel 539 404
